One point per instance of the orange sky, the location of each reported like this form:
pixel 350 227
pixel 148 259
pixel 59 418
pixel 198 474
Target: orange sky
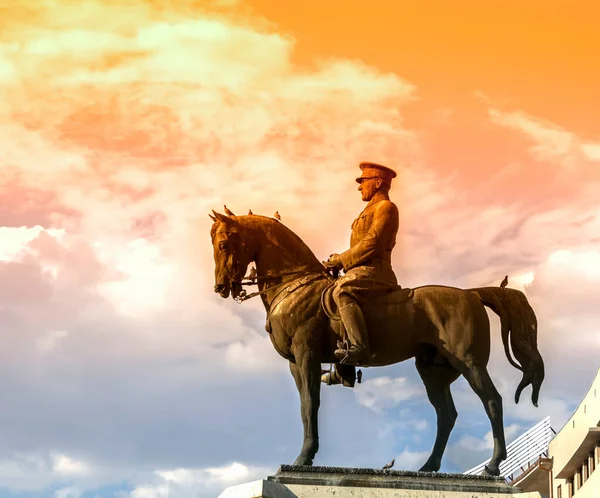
pixel 523 54
pixel 541 53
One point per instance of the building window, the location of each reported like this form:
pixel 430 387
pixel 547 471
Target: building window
pixel 570 488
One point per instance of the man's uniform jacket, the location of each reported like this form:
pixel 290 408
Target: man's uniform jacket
pixel 367 264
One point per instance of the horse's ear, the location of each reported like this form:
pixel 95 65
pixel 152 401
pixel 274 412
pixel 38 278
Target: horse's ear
pixel 212 217
pixel 228 212
pixel 220 217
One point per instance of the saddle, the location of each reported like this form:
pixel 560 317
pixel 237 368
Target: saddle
pixel 396 296
pixel 395 303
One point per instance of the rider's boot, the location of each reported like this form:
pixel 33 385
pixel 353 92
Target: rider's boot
pixel 330 378
pixel 357 352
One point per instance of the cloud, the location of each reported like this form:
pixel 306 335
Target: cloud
pixel 470 450
pixel 254 354
pixel 122 135
pixel 15 240
pixel 48 342
pixel 470 443
pixel 551 142
pixel 72 477
pixel 184 483
pixel 34 471
pixel 382 393
pixel 67 493
pixel 139 145
pixel 410 460
pixel 64 465
pixel 591 151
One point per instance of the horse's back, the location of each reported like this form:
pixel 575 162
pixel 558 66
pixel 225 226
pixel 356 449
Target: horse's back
pixel 453 320
pixel 391 323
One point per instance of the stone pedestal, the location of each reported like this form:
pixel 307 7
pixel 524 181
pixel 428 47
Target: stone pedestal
pixel 293 481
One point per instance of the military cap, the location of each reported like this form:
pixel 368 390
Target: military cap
pixel 374 170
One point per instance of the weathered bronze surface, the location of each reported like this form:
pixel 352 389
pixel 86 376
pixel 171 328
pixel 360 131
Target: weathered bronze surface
pixel 364 318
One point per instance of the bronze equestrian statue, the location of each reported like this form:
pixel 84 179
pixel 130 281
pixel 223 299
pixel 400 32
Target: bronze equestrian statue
pixel 365 318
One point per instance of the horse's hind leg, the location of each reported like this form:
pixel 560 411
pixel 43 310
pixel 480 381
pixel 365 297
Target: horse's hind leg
pixel 437 375
pixel 479 379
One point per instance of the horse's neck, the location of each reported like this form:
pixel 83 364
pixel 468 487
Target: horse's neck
pixel 283 271
pixel 283 257
pixel 279 251
pixel 274 262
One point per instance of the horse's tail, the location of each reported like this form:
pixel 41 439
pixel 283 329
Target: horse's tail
pixel 518 324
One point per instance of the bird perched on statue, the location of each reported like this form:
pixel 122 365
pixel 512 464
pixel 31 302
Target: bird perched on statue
pixel 252 275
pixel 250 212
pixel 277 217
pixel 359 376
pixel 388 466
pixel 504 282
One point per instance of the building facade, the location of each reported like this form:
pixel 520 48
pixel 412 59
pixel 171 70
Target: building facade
pixel 575 450
pixel 558 465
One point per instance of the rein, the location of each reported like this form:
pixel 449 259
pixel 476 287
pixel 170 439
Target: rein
pixel 243 296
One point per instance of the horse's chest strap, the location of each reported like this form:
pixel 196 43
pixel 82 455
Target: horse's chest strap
pixel 286 291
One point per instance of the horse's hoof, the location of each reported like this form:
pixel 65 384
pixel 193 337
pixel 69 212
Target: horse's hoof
pixel 303 461
pixel 429 467
pixel 487 471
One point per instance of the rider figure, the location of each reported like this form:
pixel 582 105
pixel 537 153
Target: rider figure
pixel 367 264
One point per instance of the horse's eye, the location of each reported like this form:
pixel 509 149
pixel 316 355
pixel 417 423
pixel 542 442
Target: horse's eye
pixel 223 246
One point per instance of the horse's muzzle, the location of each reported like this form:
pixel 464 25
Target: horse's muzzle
pixel 222 290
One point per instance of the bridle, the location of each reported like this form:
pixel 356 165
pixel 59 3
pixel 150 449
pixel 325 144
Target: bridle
pixel 243 296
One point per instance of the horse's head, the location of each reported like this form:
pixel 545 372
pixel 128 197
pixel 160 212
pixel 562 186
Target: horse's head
pixel 231 254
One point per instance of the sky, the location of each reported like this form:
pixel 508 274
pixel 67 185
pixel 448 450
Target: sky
pixel 123 123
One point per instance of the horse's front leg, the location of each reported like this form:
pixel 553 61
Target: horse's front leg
pixel 307 374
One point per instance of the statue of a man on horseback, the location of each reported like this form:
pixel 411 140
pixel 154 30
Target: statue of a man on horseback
pixel 445 329
pixel 367 264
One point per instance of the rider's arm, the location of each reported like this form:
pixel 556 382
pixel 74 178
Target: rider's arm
pixel 384 222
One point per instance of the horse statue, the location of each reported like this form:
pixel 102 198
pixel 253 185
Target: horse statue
pixel 445 329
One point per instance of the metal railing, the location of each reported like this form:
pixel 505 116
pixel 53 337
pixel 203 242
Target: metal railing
pixel 523 450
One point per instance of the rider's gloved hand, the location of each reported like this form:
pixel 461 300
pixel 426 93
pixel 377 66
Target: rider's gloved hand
pixel 333 263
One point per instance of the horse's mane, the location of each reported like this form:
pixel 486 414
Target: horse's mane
pixel 274 230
